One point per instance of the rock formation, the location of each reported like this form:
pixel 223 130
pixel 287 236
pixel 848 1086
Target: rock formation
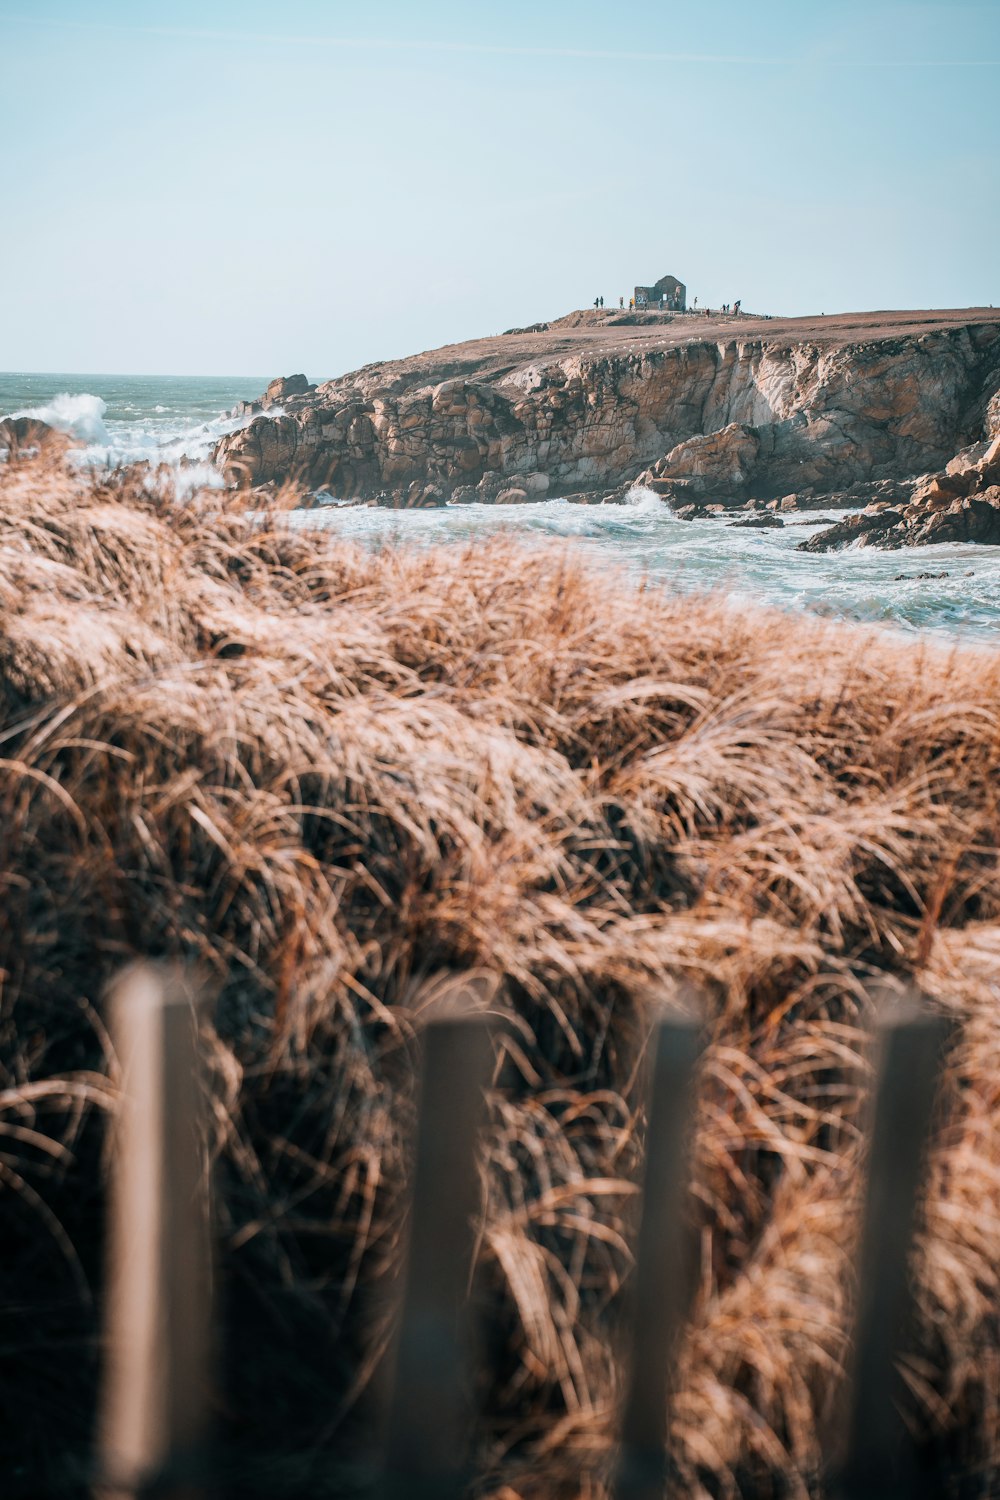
pixel 717 464
pixel 26 435
pixel 761 520
pixel 728 410
pixel 959 504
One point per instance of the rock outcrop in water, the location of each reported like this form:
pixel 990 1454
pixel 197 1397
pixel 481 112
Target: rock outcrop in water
pixel 960 504
pixel 732 409
pixel 22 435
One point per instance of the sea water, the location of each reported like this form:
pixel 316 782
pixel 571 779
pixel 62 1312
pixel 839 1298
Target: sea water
pixel 695 556
pixel 119 419
pixel 177 420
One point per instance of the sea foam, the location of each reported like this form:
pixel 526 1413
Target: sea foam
pixel 79 416
pixel 642 498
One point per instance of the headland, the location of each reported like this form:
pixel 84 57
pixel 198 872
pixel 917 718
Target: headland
pixel 710 411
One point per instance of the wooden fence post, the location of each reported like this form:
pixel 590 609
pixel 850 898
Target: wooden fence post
pixel 426 1448
pixel 157 1326
pixel 659 1295
pixel 877 1463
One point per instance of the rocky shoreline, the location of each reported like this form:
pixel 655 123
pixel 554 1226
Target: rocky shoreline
pixel 754 416
pixel 959 504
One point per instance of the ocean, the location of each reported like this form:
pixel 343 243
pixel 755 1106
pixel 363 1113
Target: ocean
pixel 123 418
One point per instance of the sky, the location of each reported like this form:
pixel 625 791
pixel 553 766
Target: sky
pixel 212 187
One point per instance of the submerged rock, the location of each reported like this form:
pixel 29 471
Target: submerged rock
pixel 921 577
pixel 761 521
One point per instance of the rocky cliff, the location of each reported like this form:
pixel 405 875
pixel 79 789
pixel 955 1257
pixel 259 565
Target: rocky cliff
pixel 734 410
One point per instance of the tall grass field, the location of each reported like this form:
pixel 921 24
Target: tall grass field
pixel 338 779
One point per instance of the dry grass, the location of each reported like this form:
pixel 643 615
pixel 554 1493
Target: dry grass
pixel 335 776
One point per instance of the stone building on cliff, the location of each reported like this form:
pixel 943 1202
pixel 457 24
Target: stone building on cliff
pixel 668 293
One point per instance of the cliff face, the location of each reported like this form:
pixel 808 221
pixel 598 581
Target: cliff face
pixel 761 407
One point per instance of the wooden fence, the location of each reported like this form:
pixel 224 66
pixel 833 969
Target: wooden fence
pixel 155 1437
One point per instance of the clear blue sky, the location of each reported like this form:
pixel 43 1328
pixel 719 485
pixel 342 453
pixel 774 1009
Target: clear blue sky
pixel 213 187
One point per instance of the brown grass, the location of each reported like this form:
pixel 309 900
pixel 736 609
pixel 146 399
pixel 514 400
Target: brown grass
pixel 334 777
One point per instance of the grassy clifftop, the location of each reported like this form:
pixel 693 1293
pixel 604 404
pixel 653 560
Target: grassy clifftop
pixel 336 777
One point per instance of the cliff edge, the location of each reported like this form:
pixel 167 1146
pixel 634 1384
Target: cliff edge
pixel 733 409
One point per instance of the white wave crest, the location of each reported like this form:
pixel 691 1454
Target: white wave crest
pixel 79 416
pixel 186 479
pixel 162 435
pixel 646 499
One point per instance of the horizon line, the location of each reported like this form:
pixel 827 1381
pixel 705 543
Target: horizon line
pixel 136 375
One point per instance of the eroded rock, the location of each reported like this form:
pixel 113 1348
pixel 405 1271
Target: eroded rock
pixel 24 435
pixel 764 520
pixel 714 463
pixel 959 504
pixel 287 385
pixel 724 417
pixel 865 528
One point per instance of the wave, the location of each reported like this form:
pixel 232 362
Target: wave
pixel 642 498
pixel 160 436
pixel 78 416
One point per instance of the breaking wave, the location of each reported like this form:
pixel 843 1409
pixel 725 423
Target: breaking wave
pixel 80 416
pixel 642 498
pixel 159 434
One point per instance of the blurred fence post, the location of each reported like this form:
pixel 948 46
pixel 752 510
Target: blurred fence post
pixel 427 1437
pixel 877 1460
pixel 154 1415
pixel 660 1284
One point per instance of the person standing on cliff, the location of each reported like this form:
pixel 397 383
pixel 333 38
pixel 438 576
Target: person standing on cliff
pixel 621 303
pixel 602 304
pixel 736 307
